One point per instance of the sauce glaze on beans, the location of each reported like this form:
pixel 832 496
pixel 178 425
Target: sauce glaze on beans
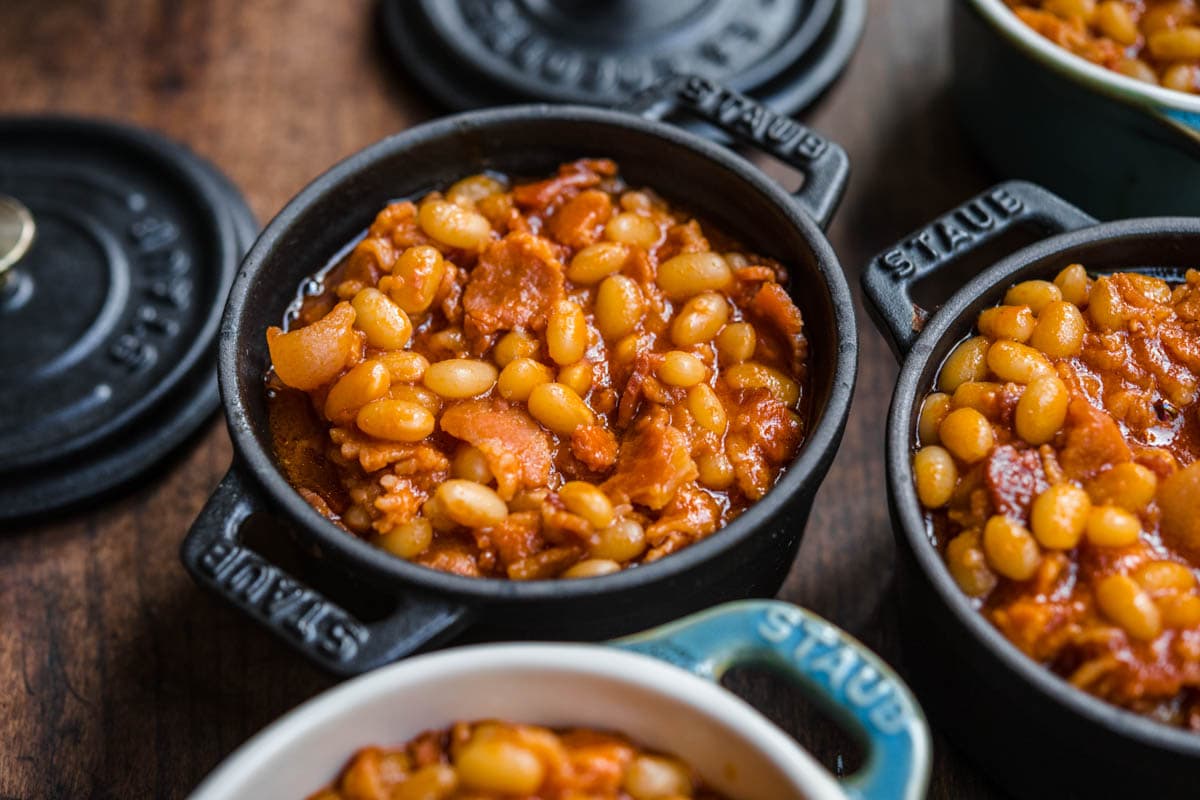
pixel 1060 466
pixel 1156 41
pixel 554 379
pixel 495 760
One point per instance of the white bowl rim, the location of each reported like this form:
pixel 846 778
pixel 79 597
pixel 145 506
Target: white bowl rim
pixel 1097 77
pixel 635 669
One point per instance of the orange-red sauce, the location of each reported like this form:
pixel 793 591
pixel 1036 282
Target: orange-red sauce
pixel 689 390
pixel 1103 590
pixel 496 760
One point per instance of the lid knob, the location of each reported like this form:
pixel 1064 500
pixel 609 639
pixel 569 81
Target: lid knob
pixel 16 233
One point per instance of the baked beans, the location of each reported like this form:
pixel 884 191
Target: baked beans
pixel 496 760
pixel 1155 41
pixel 1062 480
pixel 559 378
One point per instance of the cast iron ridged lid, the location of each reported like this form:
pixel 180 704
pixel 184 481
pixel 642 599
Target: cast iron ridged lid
pixel 108 322
pixel 476 53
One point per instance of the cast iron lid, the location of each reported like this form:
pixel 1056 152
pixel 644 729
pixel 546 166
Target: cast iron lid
pixel 108 319
pixel 476 53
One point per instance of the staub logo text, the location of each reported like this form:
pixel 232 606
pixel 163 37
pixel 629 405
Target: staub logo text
pixel 940 240
pixel 773 132
pixel 267 593
pixel 821 654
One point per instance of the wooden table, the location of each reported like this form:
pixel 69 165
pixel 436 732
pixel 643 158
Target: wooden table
pixel 123 679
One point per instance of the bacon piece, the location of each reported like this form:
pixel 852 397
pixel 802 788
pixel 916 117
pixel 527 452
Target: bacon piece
pixel 1093 441
pixel 1111 352
pixel 773 305
pixel 370 260
pixel 598 762
pixel 1187 302
pixel 516 283
pixel 517 537
pixel 631 396
pixel 400 502
pixel 1183 343
pixel 455 558
pixel 642 269
pixel 756 274
pixel 685 238
pixel 1173 380
pixel 582 174
pixel 427 749
pixel 517 449
pixel 545 564
pixel 449 294
pixel 1014 477
pixel 653 462
pixel 316 501
pixel 398 223
pixel 692 512
pixel 595 446
pixel 762 433
pixel 561 526
pixel 375 454
pixel 580 221
pixel 1053 27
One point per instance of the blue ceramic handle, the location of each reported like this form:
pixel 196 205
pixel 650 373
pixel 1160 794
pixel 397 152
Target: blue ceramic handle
pixel 1186 121
pixel 828 665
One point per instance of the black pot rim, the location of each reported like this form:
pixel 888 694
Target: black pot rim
pixel 813 461
pixel 912 531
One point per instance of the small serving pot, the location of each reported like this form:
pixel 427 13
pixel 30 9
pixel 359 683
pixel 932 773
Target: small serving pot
pixel 675 707
pixel 1031 729
pixel 1116 146
pixel 750 557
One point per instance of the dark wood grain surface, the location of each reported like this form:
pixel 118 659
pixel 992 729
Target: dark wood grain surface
pixel 120 678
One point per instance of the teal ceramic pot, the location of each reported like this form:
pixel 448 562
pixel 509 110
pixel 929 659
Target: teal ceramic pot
pixel 660 688
pixel 1114 146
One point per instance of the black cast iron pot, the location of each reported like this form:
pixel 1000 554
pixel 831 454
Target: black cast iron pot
pixel 1035 733
pixel 748 558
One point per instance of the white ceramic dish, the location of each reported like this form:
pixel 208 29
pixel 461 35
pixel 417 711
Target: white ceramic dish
pixel 1111 145
pixel 1103 80
pixel 664 706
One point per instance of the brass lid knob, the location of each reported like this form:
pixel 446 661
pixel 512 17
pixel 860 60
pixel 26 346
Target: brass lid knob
pixel 16 233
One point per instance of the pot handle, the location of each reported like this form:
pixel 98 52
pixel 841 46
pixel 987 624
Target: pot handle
pixel 1186 123
pixel 823 163
pixel 828 666
pixel 321 629
pixel 889 277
